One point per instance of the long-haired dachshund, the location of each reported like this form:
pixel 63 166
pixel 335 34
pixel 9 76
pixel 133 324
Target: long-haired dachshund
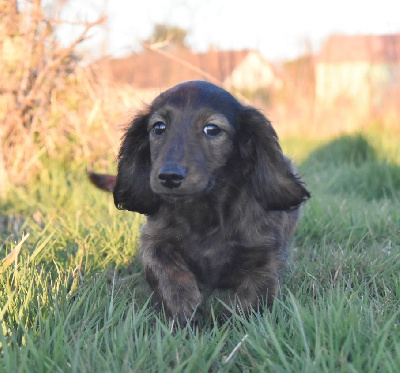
pixel 221 198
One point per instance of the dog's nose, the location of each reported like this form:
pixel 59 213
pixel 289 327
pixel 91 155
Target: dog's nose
pixel 171 176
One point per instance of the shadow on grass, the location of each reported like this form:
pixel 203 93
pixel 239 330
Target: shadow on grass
pixel 356 196
pixel 349 165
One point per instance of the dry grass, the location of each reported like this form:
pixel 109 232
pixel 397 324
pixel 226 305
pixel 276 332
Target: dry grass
pixel 54 107
pixel 50 105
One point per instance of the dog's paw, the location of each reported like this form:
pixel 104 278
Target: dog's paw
pixel 186 309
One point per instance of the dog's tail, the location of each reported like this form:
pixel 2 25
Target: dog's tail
pixel 103 181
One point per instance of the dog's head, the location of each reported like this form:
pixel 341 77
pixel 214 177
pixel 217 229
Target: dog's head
pixel 195 139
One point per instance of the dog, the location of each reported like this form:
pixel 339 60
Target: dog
pixel 221 198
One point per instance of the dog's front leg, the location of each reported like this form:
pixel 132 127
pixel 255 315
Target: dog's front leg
pixel 258 286
pixel 172 282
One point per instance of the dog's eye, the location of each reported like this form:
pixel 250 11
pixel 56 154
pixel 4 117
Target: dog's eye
pixel 159 128
pixel 212 130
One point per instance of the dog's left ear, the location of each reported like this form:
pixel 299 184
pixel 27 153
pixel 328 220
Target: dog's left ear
pixel 269 172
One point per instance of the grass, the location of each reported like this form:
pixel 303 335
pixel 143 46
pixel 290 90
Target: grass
pixel 72 298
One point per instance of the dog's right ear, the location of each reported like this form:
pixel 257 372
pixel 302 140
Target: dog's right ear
pixel 132 191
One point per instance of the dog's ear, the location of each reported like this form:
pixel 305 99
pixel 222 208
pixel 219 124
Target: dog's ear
pixel 132 190
pixel 269 173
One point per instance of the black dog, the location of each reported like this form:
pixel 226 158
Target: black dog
pixel 221 198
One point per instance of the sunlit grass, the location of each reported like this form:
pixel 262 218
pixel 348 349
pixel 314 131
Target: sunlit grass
pixel 72 297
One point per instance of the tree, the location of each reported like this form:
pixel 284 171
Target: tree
pixel 172 35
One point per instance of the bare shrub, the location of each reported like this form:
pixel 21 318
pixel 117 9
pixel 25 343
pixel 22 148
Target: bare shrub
pixel 45 93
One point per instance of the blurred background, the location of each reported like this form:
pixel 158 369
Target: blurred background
pixel 72 73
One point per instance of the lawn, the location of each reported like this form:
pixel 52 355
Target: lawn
pixel 72 298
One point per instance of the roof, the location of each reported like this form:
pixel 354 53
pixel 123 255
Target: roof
pixel 356 48
pixel 150 69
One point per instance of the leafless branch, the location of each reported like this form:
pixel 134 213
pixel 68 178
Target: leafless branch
pixel 156 48
pixel 54 63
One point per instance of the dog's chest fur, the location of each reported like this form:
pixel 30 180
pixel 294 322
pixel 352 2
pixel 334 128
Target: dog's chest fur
pixel 215 253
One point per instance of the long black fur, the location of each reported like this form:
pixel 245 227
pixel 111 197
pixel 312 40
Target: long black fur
pixel 227 224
